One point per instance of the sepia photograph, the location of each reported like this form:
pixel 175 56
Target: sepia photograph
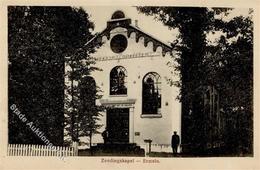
pixel 130 84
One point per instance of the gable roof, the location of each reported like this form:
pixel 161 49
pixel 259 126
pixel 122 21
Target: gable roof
pixel 126 23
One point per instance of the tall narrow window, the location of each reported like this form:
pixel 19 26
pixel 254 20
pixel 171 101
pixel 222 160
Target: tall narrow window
pixel 151 93
pixel 118 77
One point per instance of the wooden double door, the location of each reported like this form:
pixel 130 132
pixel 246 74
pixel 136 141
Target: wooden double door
pixel 118 125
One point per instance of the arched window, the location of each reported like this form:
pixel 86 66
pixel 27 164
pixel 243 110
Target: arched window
pixel 118 77
pixel 151 93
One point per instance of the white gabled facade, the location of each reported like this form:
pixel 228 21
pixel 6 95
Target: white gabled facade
pixel 140 55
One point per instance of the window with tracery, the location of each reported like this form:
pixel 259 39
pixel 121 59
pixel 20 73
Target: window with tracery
pixel 151 93
pixel 118 77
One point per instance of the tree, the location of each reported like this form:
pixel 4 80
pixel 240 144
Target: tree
pixel 81 92
pixel 89 112
pixel 35 75
pixel 82 113
pixel 40 39
pixel 232 61
pixel 194 24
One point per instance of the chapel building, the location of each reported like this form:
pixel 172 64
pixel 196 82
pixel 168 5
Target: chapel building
pixel 140 101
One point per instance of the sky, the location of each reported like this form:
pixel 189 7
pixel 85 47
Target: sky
pixel 101 14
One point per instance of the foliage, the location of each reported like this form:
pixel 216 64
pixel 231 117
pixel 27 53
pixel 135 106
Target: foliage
pixel 40 41
pixel 231 69
pixel 227 65
pixel 89 112
pixel 81 112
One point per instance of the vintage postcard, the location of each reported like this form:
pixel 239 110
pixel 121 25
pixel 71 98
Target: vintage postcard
pixel 120 85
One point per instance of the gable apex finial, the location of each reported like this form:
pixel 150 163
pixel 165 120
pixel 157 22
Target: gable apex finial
pixel 118 15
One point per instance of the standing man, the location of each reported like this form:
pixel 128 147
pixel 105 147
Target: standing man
pixel 175 142
pixel 105 136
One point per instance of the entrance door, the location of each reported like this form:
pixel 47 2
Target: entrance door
pixel 118 125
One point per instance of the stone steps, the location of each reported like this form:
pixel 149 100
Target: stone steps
pixel 118 149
